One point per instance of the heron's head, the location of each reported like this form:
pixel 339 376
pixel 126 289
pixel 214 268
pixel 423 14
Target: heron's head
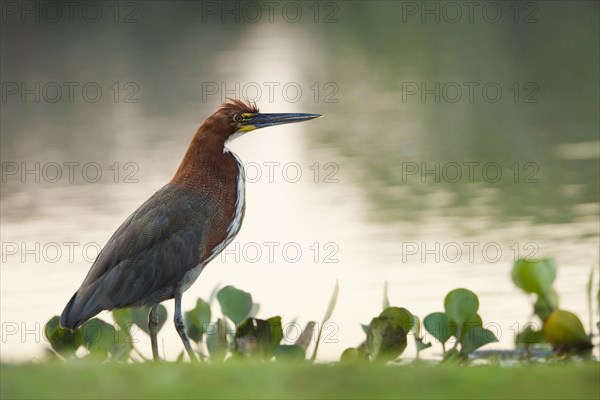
pixel 235 117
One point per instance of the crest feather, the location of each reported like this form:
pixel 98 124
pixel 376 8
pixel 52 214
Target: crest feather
pixel 239 106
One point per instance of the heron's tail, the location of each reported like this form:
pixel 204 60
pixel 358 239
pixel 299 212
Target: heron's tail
pixel 77 311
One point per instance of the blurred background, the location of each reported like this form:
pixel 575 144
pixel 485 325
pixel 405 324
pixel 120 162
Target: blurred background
pixel 456 138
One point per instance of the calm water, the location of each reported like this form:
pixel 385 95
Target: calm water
pixel 447 150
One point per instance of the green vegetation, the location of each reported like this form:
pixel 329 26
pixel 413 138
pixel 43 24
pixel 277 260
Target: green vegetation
pixel 239 335
pixel 561 329
pixel 267 380
pixel 243 356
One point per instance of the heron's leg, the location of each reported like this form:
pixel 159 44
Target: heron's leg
pixel 179 325
pixel 152 327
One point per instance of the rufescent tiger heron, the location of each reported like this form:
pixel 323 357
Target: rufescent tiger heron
pixel 160 250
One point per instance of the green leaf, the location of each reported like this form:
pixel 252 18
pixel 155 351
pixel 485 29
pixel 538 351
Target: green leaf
pixel 460 304
pixel 564 331
pixel 254 310
pixel 352 355
pixel 97 333
pixel 365 328
pixel 452 357
pixel 289 353
pixel 332 303
pixel 386 339
pixel 328 313
pixel 123 319
pixel 416 328
pixel 216 340
pixel 421 345
pixel 529 336
pixel 258 338
pixel 471 322
pixel 213 293
pixel 474 337
pixel 197 320
pixel 439 326
pixel 235 304
pixel 386 300
pixel 306 335
pixel 349 355
pixel 400 316
pixel 590 297
pixel 534 276
pixel 139 316
pixel 63 341
pixel 544 305
pixel 120 351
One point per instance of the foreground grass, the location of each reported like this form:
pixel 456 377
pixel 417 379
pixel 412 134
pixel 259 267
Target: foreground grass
pixel 246 380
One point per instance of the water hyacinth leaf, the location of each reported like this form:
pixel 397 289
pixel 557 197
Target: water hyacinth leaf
pixel 544 305
pixel 529 336
pixel 439 326
pixel 213 293
pixel 363 353
pixel 349 355
pixel 254 310
pixel 63 341
pixel 123 319
pixel 139 316
pixel 197 320
pixel 328 314
pixel 452 357
pixel 365 328
pixel 386 339
pixel 120 351
pixel 564 331
pixel 416 328
pixel 400 316
pixel 534 276
pixel 258 338
pixel 590 296
pixel 216 340
pixel 306 335
pixel 474 337
pixel 421 345
pixel 332 302
pixel 99 334
pixel 276 331
pixel 386 300
pixel 471 322
pixel 460 304
pixel 235 304
pixel 289 353
pixel 96 354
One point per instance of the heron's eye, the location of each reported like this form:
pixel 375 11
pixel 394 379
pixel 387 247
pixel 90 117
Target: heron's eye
pixel 238 118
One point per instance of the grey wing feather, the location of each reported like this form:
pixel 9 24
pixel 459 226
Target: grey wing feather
pixel 145 258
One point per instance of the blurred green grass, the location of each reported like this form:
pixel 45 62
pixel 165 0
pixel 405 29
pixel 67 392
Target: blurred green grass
pixel 250 380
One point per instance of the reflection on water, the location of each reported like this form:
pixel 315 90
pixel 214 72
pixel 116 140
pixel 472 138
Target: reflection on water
pixel 416 175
